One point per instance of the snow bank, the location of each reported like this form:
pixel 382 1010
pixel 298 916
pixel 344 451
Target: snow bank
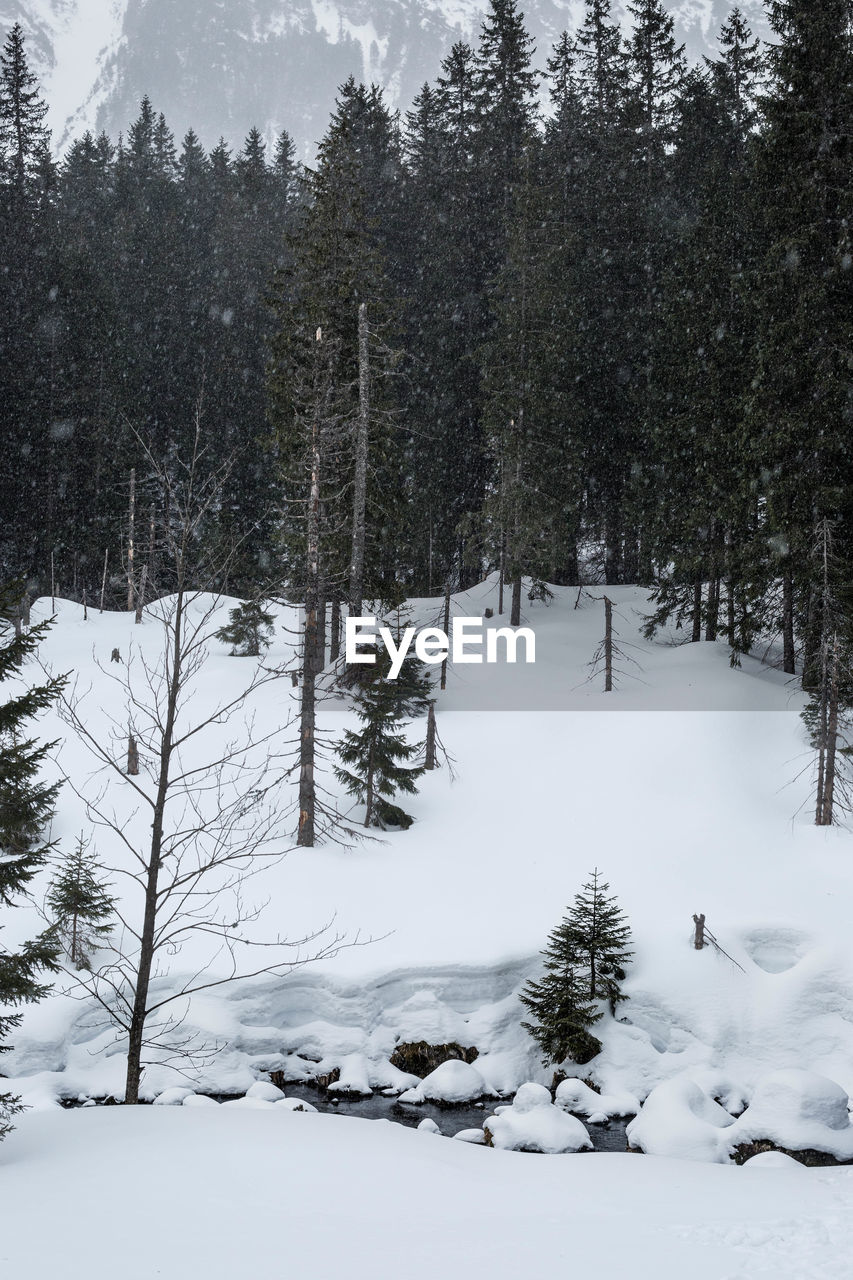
pixel 263 1089
pixel 578 1098
pixel 533 1123
pixel 800 1111
pixel 173 1097
pixel 680 1119
pixel 451 1082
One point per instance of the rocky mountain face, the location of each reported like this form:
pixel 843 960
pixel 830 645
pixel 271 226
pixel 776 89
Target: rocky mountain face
pixel 224 65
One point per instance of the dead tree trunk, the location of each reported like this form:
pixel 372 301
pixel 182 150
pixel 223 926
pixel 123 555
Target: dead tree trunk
pixel 308 711
pixel 429 752
pixel 608 645
pixel 696 635
pixel 446 630
pixel 104 578
pixel 699 931
pixel 828 745
pixel 140 598
pixel 131 597
pixel 359 501
pixel 335 637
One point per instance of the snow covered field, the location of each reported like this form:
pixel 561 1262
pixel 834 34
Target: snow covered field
pixel 688 787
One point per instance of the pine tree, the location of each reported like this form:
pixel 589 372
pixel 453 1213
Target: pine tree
pixel 562 1009
pixel 375 759
pixel 600 939
pixel 80 904
pixel 24 138
pixel 249 631
pixel 26 806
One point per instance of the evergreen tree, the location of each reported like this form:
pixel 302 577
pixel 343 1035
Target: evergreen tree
pixel 375 759
pixel 24 139
pixel 81 907
pixel 600 940
pixel 562 1009
pixel 26 806
pixel 249 631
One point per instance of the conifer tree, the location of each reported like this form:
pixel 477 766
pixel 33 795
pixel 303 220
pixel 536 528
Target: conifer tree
pixel 81 907
pixel 249 630
pixel 24 139
pixel 562 1008
pixel 600 939
pixel 26 806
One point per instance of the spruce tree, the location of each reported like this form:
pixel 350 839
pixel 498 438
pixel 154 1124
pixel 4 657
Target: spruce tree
pixel 81 907
pixel 249 630
pixel 600 939
pixel 26 806
pixel 562 1009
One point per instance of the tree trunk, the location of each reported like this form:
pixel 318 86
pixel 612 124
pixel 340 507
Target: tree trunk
pixel 608 645
pixel 104 578
pixel 429 752
pixel 359 501
pixel 308 711
pixel 829 743
pixel 699 931
pixel 131 517
pixel 140 599
pixel 515 607
pixel 446 630
pixel 335 637
pixel 696 635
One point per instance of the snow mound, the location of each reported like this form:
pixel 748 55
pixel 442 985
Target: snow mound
pixel 250 1104
pixel 266 1091
pixel 772 1160
pixel 428 1126
pixel 680 1119
pixel 200 1100
pixel 533 1123
pixel 798 1110
pixel 577 1097
pixel 475 1136
pixel 172 1097
pixel 451 1082
pixel 295 1104
pixel 354 1077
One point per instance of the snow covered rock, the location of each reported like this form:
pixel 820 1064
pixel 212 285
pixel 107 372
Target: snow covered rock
pixel 577 1097
pixel 475 1136
pixel 295 1104
pixel 680 1119
pixel 451 1083
pixel 172 1097
pixel 533 1123
pixel 200 1100
pixel 354 1077
pixel 772 1160
pixel 796 1111
pixel 428 1126
pixel 266 1091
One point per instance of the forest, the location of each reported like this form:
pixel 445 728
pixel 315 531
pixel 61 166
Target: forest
pixel 607 338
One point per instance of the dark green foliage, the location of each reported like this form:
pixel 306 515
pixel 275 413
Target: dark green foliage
pixel 376 760
pixel 80 905
pixel 249 631
pixel 601 939
pixel 560 1004
pixel 26 806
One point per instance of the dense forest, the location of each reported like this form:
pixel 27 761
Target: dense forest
pixel 609 340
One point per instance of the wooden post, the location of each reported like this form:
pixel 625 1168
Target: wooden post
pixel 699 932
pixel 608 645
pixel 429 761
pixel 446 630
pixel 104 578
pixel 131 517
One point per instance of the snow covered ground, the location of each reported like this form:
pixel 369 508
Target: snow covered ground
pixel 688 787
pixel 223 1192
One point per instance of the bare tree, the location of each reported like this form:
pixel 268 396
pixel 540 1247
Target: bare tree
pixel 203 814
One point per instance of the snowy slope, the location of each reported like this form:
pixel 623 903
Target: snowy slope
pixel 224 66
pixel 698 809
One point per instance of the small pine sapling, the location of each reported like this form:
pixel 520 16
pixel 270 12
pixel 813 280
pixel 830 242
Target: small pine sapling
pixel 560 1004
pixel 600 940
pixel 250 630
pixel 81 906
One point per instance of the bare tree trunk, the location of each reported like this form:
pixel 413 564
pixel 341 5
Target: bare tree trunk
pixel 152 547
pixel 608 645
pixel 308 717
pixel 788 659
pixel 429 752
pixel 699 931
pixel 502 577
pixel 829 741
pixel 446 630
pixel 140 599
pixel 320 651
pixel 104 578
pixel 85 605
pixel 368 815
pixel 359 501
pixel 131 518
pixel 335 637
pixel 136 1030
pixel 515 607
pixel 52 586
